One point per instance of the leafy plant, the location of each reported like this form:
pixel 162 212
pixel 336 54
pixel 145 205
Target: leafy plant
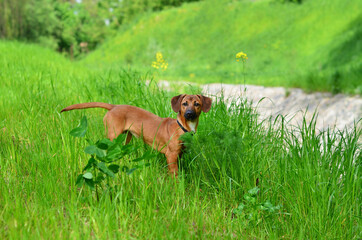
pixel 253 210
pixel 102 165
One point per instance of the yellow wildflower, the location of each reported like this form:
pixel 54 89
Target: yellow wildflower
pixel 160 62
pixel 242 56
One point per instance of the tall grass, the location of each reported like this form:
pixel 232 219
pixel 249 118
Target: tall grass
pixel 314 178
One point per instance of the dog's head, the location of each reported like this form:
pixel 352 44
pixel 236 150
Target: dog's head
pixel 190 106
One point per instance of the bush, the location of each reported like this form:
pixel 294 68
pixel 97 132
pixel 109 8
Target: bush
pixel 65 25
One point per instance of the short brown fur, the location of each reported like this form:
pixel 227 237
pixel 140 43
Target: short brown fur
pixel 160 133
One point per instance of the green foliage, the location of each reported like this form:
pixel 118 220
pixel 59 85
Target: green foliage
pixel 71 27
pixel 40 22
pixel 81 130
pixel 78 26
pixel 233 143
pixel 252 212
pixel 102 165
pixel 59 25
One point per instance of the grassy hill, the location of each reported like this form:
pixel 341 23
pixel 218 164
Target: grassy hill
pixel 316 45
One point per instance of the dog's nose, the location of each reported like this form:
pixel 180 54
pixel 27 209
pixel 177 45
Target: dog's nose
pixel 190 115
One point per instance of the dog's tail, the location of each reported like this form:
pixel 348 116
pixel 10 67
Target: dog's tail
pixel 89 105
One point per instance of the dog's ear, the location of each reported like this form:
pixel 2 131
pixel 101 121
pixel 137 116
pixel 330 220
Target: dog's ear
pixel 206 103
pixel 176 102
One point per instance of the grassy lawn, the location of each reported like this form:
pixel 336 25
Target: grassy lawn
pixel 315 45
pixel 307 182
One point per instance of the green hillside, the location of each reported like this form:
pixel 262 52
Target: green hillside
pixel 316 45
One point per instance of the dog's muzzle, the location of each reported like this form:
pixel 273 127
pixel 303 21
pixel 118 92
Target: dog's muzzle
pixel 190 115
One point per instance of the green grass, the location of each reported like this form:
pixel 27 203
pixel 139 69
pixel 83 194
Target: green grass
pixel 292 45
pixel 314 178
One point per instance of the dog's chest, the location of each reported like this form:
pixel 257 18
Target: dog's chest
pixel 192 126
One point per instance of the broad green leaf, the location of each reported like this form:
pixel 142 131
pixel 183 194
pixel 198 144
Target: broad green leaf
pixel 80 180
pixel 90 183
pixel 114 168
pixel 127 149
pixel 104 144
pixel 119 152
pixel 92 149
pixel 81 129
pixel 125 169
pixel 88 175
pixel 249 199
pixel 102 166
pixel 263 208
pixel 254 191
pixel 91 162
pixel 239 209
pixel 267 205
pixel 115 154
pixel 99 179
pixel 241 206
pixel 120 139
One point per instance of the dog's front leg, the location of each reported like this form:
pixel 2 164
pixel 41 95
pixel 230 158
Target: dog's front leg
pixel 172 162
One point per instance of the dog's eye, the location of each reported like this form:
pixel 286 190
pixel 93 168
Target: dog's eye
pixel 185 104
pixel 196 104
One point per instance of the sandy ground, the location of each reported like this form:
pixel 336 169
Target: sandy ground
pixel 339 111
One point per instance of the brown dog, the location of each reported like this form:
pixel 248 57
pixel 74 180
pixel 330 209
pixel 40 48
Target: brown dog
pixel 160 133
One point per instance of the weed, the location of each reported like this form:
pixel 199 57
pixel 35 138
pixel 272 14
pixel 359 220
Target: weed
pixel 103 166
pixel 251 211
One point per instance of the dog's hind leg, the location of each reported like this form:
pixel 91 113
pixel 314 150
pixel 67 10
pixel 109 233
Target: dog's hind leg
pixel 129 137
pixel 112 129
